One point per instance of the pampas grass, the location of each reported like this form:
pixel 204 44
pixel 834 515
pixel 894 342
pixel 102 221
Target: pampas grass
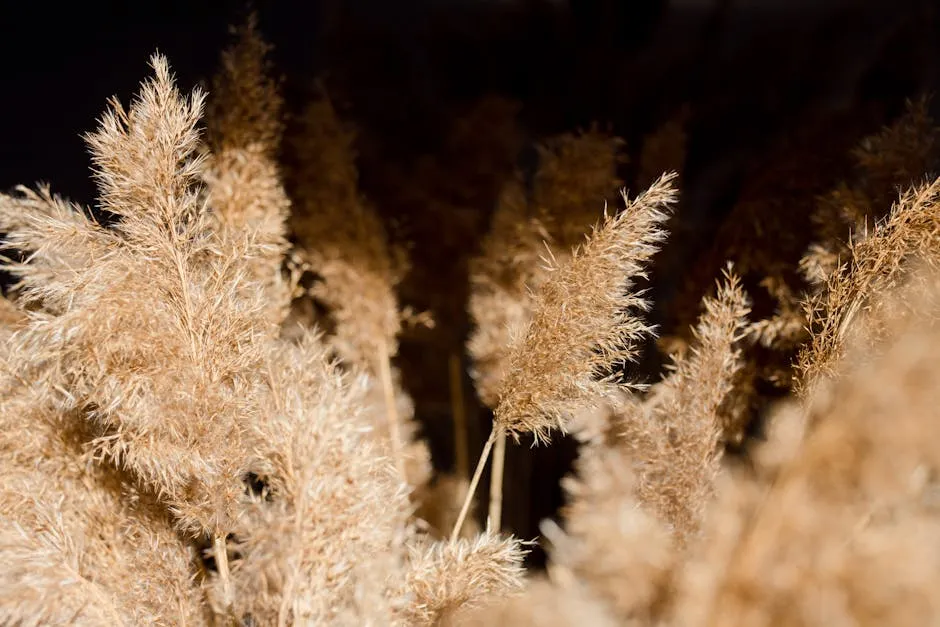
pixel 189 437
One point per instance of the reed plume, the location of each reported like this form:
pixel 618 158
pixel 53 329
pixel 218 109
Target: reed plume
pixel 150 331
pixel 81 543
pixel 583 321
pixel 343 241
pixel 646 472
pixel 449 579
pixel 324 541
pixel 675 434
pixel 242 175
pixel 575 174
pixel 879 262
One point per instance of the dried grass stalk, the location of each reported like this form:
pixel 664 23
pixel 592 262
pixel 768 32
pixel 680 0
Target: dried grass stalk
pixel 879 262
pixel 584 320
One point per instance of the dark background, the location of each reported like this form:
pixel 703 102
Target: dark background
pixel 753 75
pixel 750 67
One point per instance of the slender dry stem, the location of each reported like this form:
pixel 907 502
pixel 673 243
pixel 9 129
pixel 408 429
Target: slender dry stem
pixel 484 455
pixel 494 522
pixel 221 561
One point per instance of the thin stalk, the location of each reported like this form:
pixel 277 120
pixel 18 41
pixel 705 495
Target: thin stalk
pixel 391 409
pixel 221 562
pixel 473 483
pixel 494 520
pixel 458 411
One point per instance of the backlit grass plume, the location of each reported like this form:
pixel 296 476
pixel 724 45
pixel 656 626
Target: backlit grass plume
pixel 149 330
pixel 879 261
pixel 344 242
pixel 181 445
pixel 242 174
pixel 153 336
pixel 583 322
pixel 575 175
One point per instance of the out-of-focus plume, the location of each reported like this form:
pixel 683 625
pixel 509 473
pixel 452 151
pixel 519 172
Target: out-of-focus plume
pixel 242 174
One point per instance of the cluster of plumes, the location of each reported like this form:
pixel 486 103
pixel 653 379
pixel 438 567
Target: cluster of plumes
pixel 834 518
pixel 182 444
pixel 354 270
pixel 172 457
pixel 798 216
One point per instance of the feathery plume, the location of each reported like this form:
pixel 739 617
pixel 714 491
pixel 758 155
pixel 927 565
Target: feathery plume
pixel 79 543
pixel 583 320
pixel 326 538
pixel 879 263
pixel 646 471
pixel 150 332
pixel 674 434
pixel 575 174
pixel 448 578
pixel 841 532
pixel 344 242
pixel 242 175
